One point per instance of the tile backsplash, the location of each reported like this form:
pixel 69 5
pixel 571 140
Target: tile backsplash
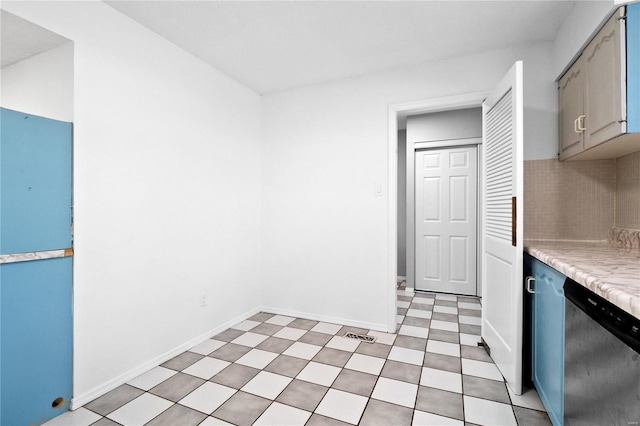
pixel 628 191
pixel 581 200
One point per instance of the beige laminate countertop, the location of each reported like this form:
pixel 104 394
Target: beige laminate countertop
pixel 613 273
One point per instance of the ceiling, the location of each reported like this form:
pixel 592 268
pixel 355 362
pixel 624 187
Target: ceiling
pixel 20 39
pixel 271 46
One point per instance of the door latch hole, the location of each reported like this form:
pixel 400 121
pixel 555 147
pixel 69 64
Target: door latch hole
pixel 57 403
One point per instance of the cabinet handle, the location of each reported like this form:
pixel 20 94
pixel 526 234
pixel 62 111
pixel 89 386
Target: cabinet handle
pixel 575 126
pixel 529 289
pixel 581 127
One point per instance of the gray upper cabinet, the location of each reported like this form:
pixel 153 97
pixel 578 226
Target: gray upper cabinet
pixel 605 104
pixel 571 111
pixel 592 98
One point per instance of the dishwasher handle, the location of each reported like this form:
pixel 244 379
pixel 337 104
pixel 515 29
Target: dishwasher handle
pixel 528 285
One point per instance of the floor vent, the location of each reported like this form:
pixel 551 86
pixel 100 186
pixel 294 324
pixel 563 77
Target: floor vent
pixel 361 337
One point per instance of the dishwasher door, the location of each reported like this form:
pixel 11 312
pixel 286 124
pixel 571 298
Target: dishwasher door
pixel 602 373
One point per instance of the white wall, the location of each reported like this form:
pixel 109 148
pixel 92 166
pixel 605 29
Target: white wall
pixel 446 125
pixel 41 85
pixel 324 147
pixel 583 21
pixel 166 189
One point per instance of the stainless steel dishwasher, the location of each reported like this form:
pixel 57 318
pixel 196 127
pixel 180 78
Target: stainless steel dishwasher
pixel 601 361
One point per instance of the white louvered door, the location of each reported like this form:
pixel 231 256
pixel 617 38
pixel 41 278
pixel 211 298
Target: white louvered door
pixel 502 290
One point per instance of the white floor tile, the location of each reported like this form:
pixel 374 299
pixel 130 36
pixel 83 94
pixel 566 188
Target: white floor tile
pixel 402 304
pixel 441 379
pixel 485 412
pixel 444 348
pixel 487 370
pixel 140 410
pixel 79 417
pixel 423 301
pixel 343 406
pixel 467 305
pixel 246 325
pixel 444 325
pixel 206 368
pixel 365 364
pixel 321 374
pixel 383 338
pixel 413 331
pixel 469 339
pixel 302 350
pixel 395 392
pixel 279 320
pixel 250 339
pixel 284 415
pixel 208 346
pixel 449 297
pixel 445 309
pixel 152 378
pixel 342 343
pixel 267 385
pixel 207 398
pixel 410 356
pixel 469 320
pixel 257 359
pixel 212 421
pixel 290 333
pixel 418 313
pixel 529 399
pixel 326 328
pixel 420 418
pixel 399 319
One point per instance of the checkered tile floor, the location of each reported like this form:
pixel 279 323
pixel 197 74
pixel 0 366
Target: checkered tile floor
pixel 277 370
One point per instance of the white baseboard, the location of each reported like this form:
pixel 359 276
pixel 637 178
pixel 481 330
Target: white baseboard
pixel 79 400
pixel 324 318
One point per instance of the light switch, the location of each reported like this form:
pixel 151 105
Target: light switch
pixel 377 189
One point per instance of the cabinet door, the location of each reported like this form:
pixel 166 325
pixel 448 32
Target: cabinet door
pixel 548 340
pixel 605 71
pixel 37 340
pixel 571 109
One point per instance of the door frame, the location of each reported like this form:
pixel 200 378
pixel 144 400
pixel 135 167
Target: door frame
pixel 395 111
pixel 476 143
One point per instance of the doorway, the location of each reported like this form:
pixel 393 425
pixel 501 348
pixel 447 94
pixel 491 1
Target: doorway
pixel 502 118
pixel 446 219
pixel 398 114
pixel 428 255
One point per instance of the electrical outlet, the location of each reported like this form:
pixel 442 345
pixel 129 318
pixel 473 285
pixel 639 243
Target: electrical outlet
pixel 203 299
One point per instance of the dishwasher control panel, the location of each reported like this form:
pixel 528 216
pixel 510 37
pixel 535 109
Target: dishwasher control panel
pixel 621 324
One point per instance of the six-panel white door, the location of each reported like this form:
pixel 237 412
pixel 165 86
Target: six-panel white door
pixel 446 226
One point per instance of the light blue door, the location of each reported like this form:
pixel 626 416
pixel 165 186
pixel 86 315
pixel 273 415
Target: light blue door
pixel 548 339
pixel 35 295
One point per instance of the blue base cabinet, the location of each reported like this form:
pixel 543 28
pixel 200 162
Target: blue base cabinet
pixel 547 334
pixel 37 342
